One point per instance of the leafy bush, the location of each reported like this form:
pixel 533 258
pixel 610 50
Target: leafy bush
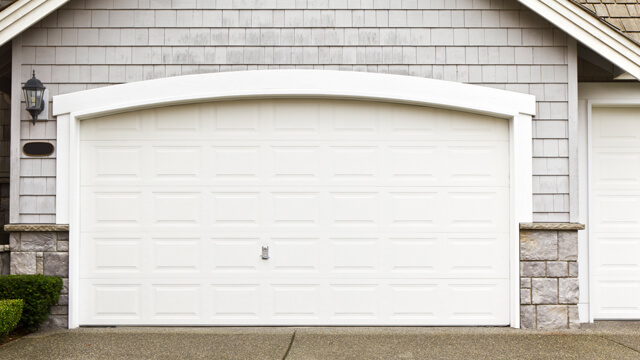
pixel 10 311
pixel 39 293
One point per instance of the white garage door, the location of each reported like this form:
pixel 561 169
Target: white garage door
pixel 374 214
pixel 615 213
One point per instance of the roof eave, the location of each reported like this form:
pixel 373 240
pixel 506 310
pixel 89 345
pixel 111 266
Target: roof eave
pixel 22 14
pixel 590 31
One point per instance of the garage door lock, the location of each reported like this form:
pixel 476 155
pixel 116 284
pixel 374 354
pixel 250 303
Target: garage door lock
pixel 265 253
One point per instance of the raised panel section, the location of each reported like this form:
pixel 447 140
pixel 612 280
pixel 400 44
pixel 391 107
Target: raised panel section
pixel 354 163
pixel 373 214
pixel 236 163
pixel 236 301
pixel 295 163
pixel 415 301
pixel 617 299
pixel 230 254
pixel 355 209
pixel 114 255
pixel 176 209
pixel 615 213
pixel 115 209
pixel 297 301
pixel 115 301
pixel 235 209
pixel 176 301
pixel 295 209
pixel 355 301
pixel 176 255
pixel 176 163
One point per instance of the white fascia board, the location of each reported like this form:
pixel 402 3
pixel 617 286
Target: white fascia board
pixel 592 32
pixel 22 14
pixel 293 83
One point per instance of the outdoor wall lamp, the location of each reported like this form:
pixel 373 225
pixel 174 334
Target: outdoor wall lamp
pixel 34 96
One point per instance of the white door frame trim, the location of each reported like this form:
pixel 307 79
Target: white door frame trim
pixel 70 109
pixel 592 95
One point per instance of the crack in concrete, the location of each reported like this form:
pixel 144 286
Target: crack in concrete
pixel 619 343
pixel 293 338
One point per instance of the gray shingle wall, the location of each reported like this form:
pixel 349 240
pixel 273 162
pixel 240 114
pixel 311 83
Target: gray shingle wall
pixel 494 43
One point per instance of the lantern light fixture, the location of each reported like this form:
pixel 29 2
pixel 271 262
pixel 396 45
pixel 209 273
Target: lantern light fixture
pixel 34 96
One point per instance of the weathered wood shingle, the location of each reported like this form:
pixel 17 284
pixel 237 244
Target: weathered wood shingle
pixel 624 15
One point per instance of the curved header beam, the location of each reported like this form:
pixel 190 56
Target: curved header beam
pixel 293 83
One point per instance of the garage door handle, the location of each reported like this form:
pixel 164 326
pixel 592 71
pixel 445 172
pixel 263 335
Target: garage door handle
pixel 265 253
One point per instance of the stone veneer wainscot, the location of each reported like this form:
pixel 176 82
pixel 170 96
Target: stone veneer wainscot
pixel 549 291
pixel 43 249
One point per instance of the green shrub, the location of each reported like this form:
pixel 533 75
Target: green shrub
pixel 39 293
pixel 10 311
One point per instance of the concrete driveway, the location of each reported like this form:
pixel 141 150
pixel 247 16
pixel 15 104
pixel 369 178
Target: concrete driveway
pixel 611 340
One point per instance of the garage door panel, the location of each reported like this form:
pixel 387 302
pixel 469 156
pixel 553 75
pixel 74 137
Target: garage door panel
pixel 234 208
pixel 197 163
pixel 233 164
pixel 236 301
pixel 111 301
pixel 475 255
pixel 176 255
pixel 112 209
pixel 615 212
pixel 176 163
pixel 617 298
pixel 616 168
pixel 323 302
pixel 374 214
pixel 120 126
pixel 618 254
pixel 485 307
pixel 615 127
pixel 112 254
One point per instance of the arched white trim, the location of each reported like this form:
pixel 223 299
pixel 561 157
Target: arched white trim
pixel 70 109
pixel 293 83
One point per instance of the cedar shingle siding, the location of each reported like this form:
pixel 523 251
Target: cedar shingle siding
pixel 494 43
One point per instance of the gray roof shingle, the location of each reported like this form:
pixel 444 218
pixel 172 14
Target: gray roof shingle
pixel 623 15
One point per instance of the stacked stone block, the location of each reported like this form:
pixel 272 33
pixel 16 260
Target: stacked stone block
pixel 43 251
pixel 549 291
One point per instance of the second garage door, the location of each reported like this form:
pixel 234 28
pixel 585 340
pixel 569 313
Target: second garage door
pixel 373 214
pixel 615 213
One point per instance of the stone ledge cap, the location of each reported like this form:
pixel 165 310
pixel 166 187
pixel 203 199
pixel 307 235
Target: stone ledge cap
pixel 551 226
pixel 35 227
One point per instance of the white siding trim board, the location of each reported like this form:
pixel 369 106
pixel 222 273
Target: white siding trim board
pixel 72 108
pixel 590 31
pixel 593 95
pixel 22 14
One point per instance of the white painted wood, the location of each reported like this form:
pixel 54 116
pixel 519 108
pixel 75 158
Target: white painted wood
pixel 375 214
pixel 574 211
pixel 75 306
pixel 22 14
pixel 16 96
pixel 62 161
pixel 520 140
pixel 583 236
pixel 615 223
pixel 294 83
pixel 594 95
pixel 521 202
pixel 590 31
